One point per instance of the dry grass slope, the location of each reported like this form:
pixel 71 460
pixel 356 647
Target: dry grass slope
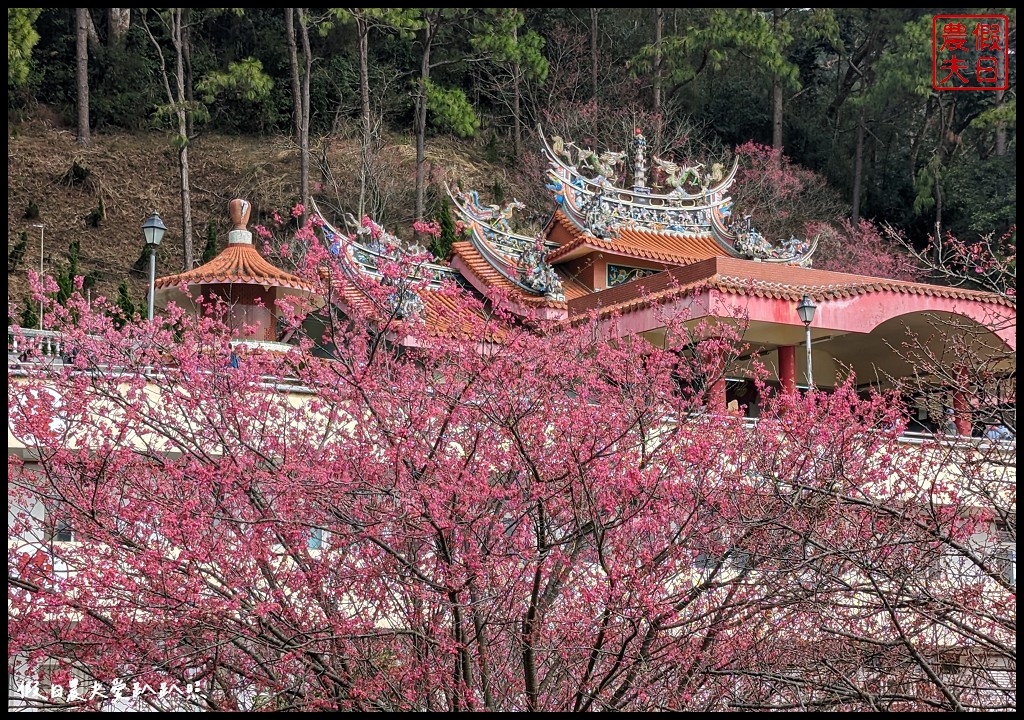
pixel 134 174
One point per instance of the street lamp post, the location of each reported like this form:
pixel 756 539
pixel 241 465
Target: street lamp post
pixel 153 230
pixel 805 309
pixel 42 232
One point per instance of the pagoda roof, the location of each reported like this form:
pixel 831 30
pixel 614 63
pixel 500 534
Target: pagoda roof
pixel 591 192
pixel 482 274
pixel 238 263
pixel 442 313
pixel 423 302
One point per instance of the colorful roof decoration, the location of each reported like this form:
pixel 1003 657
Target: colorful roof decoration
pixel 416 291
pixel 437 312
pixel 364 253
pixel 591 192
pixel 518 259
pixel 674 248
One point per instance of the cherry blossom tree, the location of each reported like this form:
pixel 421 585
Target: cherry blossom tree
pixel 786 195
pixel 496 517
pixel 863 249
pixel 975 367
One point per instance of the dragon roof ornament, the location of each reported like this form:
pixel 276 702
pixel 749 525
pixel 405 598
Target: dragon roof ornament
pixel 363 251
pixel 518 258
pixel 367 245
pixel 752 244
pixel 692 200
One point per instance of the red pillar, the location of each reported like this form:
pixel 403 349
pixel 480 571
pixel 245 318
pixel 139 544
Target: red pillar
pixel 787 367
pixel 716 396
pixel 962 413
pixel 711 355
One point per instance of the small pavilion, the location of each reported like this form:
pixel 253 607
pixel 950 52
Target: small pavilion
pixel 239 276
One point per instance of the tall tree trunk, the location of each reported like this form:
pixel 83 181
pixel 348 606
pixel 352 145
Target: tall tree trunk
pixel 94 36
pixel 304 130
pixel 776 112
pixel 176 98
pixel 118 22
pixel 293 64
pixel 517 122
pixel 421 119
pixel 190 98
pixel 937 190
pixel 363 29
pixel 659 24
pixel 178 38
pixel 517 100
pixel 82 74
pixel 858 171
pixel 776 91
pixel 938 208
pixel 918 137
pixel 480 633
pixel 593 49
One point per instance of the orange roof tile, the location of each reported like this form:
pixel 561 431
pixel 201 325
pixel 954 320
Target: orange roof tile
pixel 746 277
pixel 490 277
pixel 443 315
pixel 571 287
pixel 238 263
pixel 661 246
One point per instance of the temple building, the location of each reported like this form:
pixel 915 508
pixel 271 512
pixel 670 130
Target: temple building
pixel 629 251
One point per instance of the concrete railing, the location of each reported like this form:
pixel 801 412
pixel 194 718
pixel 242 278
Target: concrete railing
pixel 46 342
pixel 50 348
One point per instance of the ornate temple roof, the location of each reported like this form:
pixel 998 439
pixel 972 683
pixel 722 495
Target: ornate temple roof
pixel 686 218
pixel 418 293
pixel 238 263
pixel 519 260
pixel 666 246
pixel 469 260
pixel 592 193
pixel 440 312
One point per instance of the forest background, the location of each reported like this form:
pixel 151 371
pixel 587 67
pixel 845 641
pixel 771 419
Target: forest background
pixel 116 112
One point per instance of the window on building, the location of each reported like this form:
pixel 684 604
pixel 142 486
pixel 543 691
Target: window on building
pixel 741 559
pixel 62 531
pixel 316 539
pixel 1005 552
pixel 1007 559
pixel 705 561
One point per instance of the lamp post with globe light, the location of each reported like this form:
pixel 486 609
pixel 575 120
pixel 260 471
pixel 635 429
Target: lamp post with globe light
pixel 805 309
pixel 153 230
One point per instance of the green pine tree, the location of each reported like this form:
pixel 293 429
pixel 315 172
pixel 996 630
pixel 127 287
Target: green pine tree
pixel 66 278
pixel 125 307
pixel 210 250
pixel 442 245
pixel 17 253
pixel 29 318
